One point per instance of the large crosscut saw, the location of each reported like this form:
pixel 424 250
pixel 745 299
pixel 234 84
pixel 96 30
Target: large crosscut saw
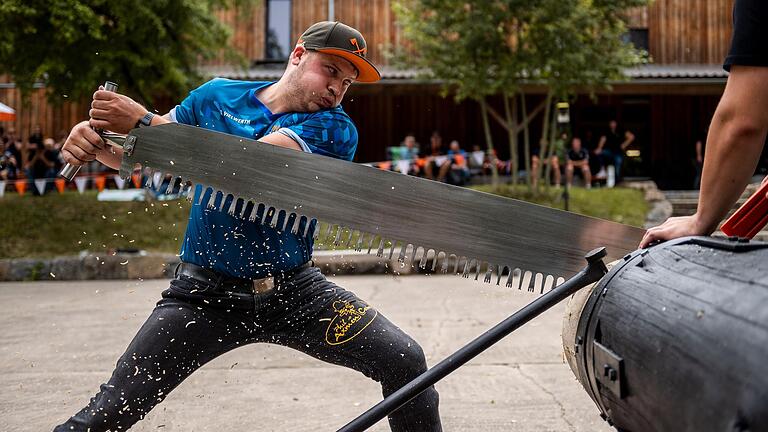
pixel 434 225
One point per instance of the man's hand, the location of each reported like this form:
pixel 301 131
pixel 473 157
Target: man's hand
pixel 115 112
pixel 82 145
pixel 673 228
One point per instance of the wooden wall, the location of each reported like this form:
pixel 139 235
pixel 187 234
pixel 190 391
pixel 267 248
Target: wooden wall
pixel 53 118
pixel 689 31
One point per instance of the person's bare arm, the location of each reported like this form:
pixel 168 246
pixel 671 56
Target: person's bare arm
pixel 281 140
pixel 600 145
pixel 628 138
pixel 734 144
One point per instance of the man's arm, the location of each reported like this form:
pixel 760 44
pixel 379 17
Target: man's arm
pixel 734 144
pixel 628 138
pixel 600 145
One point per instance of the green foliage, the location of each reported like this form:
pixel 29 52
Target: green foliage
pixel 480 48
pixel 151 48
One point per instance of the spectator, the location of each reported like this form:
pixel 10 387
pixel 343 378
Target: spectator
pixel 558 153
pixel 578 157
pixel 611 147
pixel 435 156
pixel 407 151
pixel 456 169
pixel 36 136
pixel 8 162
pixel 52 155
pixel 36 164
pixel 698 163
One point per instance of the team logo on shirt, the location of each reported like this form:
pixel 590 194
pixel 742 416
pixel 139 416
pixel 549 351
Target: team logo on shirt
pixel 349 321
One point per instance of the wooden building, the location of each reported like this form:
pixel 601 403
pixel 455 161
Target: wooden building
pixel 667 104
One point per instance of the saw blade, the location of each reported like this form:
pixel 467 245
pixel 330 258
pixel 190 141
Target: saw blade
pixel 434 225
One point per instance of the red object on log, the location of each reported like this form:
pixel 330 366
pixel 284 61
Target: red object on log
pixel 751 217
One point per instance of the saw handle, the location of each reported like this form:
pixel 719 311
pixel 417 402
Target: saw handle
pixel 70 171
pixel 751 217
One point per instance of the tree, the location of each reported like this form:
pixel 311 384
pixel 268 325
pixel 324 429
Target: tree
pixel 484 48
pixel 151 48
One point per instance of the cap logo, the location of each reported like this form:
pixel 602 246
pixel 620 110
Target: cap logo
pixel 359 51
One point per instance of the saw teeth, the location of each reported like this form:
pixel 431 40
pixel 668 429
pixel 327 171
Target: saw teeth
pixel 359 245
pixel 488 274
pixel 289 223
pixel 339 230
pixel 247 210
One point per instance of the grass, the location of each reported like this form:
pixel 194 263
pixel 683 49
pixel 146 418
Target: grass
pixel 66 224
pixel 622 205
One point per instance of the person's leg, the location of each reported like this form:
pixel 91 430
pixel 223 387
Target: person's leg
pixel 315 316
pixel 587 174
pixel 618 160
pixel 555 165
pixel 177 338
pixel 534 170
pixel 569 173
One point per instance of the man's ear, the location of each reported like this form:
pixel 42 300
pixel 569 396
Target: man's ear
pixel 297 54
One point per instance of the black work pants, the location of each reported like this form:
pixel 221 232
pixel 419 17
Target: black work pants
pixel 194 323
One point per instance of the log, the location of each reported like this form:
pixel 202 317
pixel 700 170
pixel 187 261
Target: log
pixel 675 338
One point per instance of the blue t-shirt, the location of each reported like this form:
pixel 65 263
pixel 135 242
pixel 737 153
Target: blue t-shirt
pixel 236 247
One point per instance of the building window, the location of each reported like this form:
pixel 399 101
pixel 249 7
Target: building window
pixel 637 37
pixel 278 37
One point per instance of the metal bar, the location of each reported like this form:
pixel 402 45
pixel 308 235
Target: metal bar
pixel 594 270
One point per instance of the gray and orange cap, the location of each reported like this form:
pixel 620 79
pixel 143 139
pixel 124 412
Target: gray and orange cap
pixel 341 40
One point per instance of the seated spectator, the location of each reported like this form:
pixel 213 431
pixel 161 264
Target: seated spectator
pixel 8 163
pixel 36 164
pixel 435 158
pixel 407 151
pixel 578 157
pixel 52 154
pixel 612 146
pixel 558 154
pixel 455 170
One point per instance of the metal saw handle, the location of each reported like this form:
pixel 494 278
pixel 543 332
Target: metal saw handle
pixel 70 171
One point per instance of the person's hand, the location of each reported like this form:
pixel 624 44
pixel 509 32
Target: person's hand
pixel 673 228
pixel 82 145
pixel 115 112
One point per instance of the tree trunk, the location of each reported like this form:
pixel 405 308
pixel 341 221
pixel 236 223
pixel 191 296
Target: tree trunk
pixel 526 143
pixel 552 137
pixel 511 116
pixel 489 142
pixel 544 141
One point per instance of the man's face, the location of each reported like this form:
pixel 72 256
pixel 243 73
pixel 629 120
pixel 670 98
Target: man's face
pixel 410 141
pixel 612 124
pixel 322 80
pixel 576 144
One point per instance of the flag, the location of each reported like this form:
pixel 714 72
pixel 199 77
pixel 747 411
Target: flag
pixel 100 182
pixel 40 185
pixel 80 182
pixel 21 186
pixel 61 184
pixel 119 181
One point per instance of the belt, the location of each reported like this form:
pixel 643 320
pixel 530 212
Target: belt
pixel 224 283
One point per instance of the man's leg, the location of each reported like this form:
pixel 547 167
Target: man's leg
pixel 177 338
pixel 315 316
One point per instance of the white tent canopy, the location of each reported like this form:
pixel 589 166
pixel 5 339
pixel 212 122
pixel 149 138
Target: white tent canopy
pixel 7 113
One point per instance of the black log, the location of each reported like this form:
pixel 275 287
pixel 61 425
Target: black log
pixel 675 338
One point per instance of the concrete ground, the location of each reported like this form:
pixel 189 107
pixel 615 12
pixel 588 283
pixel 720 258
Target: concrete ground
pixel 60 340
